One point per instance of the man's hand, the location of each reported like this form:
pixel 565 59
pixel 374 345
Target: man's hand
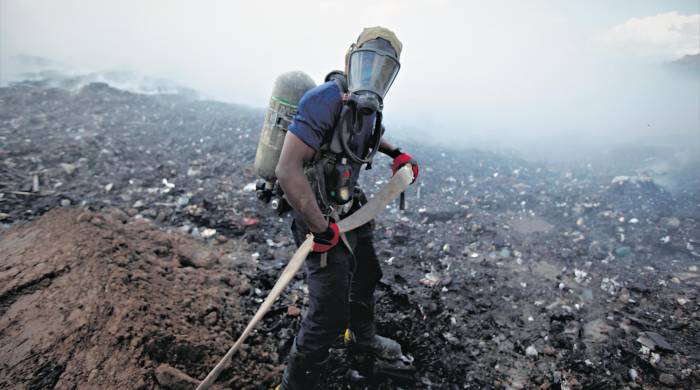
pixel 403 159
pixel 323 242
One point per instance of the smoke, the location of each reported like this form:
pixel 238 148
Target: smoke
pixel 545 79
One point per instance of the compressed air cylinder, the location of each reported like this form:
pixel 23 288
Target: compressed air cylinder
pixel 288 90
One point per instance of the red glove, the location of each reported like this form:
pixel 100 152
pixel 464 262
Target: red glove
pixel 403 159
pixel 323 242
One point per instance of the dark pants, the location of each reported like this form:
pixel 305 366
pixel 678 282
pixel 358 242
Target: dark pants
pixel 341 294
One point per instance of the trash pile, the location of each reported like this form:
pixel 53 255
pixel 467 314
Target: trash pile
pixel 501 273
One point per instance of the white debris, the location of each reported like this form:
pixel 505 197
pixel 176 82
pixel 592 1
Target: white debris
pixel 610 285
pixel 580 275
pixel 693 268
pixel 654 358
pixel 665 239
pixel 168 186
pixel 109 187
pixel 206 233
pixel 431 279
pixel 633 374
pixel 531 351
pixel 250 187
pixel 273 244
pixel 68 168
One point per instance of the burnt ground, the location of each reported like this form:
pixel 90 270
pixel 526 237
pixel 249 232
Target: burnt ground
pixel 132 243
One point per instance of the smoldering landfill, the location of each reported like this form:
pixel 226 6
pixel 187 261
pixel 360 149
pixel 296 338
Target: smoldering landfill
pixel 133 251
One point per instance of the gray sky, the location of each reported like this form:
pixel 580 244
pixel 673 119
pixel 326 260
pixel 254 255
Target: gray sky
pixel 504 73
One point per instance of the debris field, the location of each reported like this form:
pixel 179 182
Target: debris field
pixel 133 251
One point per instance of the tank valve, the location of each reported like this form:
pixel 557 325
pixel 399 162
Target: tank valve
pixel 263 190
pixel 280 205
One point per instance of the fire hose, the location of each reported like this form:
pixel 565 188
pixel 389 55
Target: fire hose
pixel 398 184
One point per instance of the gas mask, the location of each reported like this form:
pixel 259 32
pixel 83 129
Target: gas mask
pixel 371 65
pixel 372 68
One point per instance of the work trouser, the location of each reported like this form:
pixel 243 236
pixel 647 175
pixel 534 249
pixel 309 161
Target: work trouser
pixel 341 294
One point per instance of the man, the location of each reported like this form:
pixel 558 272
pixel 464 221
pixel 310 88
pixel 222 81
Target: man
pixel 337 129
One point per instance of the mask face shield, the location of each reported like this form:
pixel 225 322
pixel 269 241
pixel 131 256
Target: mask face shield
pixel 371 70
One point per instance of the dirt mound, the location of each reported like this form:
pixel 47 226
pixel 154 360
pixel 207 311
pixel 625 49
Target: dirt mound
pixel 100 301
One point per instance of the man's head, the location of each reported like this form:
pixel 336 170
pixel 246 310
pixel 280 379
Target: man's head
pixel 372 62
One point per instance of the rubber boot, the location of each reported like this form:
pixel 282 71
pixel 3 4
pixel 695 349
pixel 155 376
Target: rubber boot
pixel 301 373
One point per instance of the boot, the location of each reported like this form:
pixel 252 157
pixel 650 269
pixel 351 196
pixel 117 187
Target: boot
pixel 301 373
pixel 387 358
pixel 380 346
pixel 363 336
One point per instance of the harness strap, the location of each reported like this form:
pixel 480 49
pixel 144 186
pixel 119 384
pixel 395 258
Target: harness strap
pixel 343 237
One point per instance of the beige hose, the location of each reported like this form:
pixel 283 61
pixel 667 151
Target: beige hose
pixel 398 184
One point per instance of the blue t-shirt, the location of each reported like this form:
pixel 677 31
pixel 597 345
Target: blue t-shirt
pixel 316 116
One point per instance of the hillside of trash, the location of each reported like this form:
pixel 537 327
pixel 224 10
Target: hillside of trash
pixel 133 251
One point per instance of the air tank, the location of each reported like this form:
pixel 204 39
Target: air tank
pixel 288 90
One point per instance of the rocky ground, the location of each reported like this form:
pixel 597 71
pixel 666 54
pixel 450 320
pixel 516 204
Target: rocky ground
pixel 133 252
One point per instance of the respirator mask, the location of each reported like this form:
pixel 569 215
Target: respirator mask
pixel 372 69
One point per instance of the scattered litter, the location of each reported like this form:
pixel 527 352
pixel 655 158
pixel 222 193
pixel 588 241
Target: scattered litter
pixel 206 233
pixel 250 221
pixel 654 341
pixel 610 285
pixel 531 351
pixel 580 276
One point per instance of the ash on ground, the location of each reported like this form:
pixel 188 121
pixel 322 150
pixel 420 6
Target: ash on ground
pixel 134 252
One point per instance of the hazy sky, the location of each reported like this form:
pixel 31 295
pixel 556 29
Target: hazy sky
pixel 501 72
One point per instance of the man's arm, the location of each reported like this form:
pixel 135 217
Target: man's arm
pixel 290 174
pixel 387 148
